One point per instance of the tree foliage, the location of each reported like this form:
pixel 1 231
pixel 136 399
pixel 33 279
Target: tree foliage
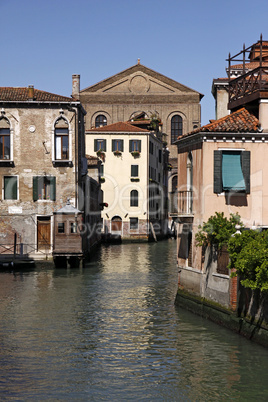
pixel 217 230
pixel 249 256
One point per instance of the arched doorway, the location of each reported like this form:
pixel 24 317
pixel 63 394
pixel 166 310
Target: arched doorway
pixel 116 225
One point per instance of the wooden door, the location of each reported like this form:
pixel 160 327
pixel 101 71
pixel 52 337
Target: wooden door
pixel 43 233
pixel 116 225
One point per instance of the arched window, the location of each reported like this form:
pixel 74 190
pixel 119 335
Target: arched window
pixel 61 139
pixel 100 121
pixel 176 127
pixel 134 198
pixel 5 153
pixel 174 183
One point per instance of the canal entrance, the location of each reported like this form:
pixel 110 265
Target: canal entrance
pixel 110 331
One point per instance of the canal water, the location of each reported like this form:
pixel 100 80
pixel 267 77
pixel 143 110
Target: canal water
pixel 110 332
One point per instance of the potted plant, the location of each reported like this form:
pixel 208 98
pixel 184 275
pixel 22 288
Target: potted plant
pixel 117 153
pixel 135 154
pixel 101 154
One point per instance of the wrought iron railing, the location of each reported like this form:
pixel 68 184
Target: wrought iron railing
pixel 247 84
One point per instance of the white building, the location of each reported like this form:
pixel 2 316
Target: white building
pixel 133 179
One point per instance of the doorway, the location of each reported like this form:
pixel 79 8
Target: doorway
pixel 43 233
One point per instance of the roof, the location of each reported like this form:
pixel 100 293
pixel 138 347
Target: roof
pixel 123 127
pixel 240 121
pixel 21 94
pixel 139 68
pixel 249 66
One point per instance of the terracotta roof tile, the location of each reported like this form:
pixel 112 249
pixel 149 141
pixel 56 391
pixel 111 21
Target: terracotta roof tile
pixel 22 94
pixel 250 66
pixel 240 121
pixel 119 127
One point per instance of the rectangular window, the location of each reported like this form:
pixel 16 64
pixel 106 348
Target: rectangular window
pixel 134 170
pixel 62 143
pixel 133 223
pixel 44 188
pixel 10 187
pixel 61 227
pixel 118 145
pixel 134 145
pixel 160 155
pixel 73 227
pixel 4 144
pixel 231 171
pixel 99 145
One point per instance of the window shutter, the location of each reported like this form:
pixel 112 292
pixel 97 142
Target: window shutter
pixel 95 146
pixel 113 145
pixel 35 188
pixel 217 172
pixel 104 145
pixel 10 187
pixel 122 145
pixel 53 188
pixel 130 145
pixel 134 170
pixel 245 162
pixel 139 145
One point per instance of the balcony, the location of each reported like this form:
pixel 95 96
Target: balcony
pixel 248 87
pixel 185 205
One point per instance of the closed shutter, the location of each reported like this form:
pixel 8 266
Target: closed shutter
pixel 245 162
pixel 95 145
pixel 10 187
pixel 35 188
pixel 103 145
pixel 113 145
pixel 122 145
pixel 217 172
pixel 53 188
pixel 139 145
pixel 134 170
pixel 130 145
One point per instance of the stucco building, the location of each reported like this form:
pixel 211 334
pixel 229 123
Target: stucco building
pixel 140 91
pixel 134 180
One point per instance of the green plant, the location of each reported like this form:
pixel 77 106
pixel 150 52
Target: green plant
pixel 249 256
pixel 217 230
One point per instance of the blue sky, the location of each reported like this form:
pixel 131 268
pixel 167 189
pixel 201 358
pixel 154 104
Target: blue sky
pixel 44 42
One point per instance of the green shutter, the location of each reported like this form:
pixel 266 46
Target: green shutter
pixel 113 145
pixel 104 145
pixel 217 172
pixel 10 187
pixel 139 145
pixel 134 170
pixel 245 163
pixel 130 145
pixel 122 145
pixel 35 188
pixel 95 146
pixel 53 188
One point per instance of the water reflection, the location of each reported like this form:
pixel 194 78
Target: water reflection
pixel 110 331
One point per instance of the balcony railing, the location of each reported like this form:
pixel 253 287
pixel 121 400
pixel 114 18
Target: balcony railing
pixel 248 84
pixel 185 202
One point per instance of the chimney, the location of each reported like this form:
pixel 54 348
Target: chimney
pixel 76 86
pixel 31 92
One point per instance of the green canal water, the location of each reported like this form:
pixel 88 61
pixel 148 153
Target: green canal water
pixel 110 332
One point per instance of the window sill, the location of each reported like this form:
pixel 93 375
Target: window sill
pixel 62 163
pixel 134 179
pixel 6 163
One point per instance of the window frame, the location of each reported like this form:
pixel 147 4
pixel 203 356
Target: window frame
pixel 176 128
pixel 134 171
pixel 102 121
pixel 4 187
pixel 133 225
pixel 40 183
pixel 134 198
pixel 61 135
pixel 134 145
pixel 245 168
pixel 98 141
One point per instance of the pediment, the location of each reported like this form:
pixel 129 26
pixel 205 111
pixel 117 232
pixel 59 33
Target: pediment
pixel 138 80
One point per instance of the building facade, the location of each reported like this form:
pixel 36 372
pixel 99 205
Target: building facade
pixel 133 180
pixel 140 91
pixel 42 164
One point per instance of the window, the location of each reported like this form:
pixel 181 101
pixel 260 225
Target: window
pixel 10 188
pixel 4 143
pixel 134 170
pixel 73 227
pixel 134 145
pixel 134 198
pixel 133 223
pixel 99 145
pixel 44 188
pixel 61 140
pixel 117 145
pixel 61 227
pixel 231 171
pixel 160 156
pixel 176 128
pixel 100 121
